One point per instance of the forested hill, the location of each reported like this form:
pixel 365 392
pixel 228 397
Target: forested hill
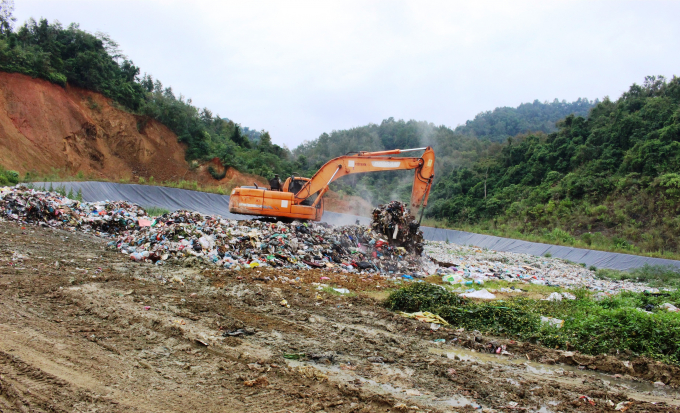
pixel 70 55
pixel 611 180
pixel 501 123
pixel 454 148
pixel 491 126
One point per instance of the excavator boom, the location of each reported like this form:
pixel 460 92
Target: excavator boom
pixel 297 205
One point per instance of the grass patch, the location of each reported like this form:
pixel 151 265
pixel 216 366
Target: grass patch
pixel 154 211
pixel 654 275
pixel 592 327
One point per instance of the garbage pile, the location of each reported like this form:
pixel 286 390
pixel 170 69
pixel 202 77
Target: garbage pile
pixel 192 238
pixel 396 223
pixel 53 210
pixel 468 266
pixel 392 245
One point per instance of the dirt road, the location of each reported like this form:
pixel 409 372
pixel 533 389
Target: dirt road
pixel 83 329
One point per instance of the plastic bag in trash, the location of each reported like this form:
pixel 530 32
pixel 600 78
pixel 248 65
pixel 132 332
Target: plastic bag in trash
pixel 555 322
pixel 483 294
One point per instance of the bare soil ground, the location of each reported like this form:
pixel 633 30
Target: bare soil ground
pixel 83 329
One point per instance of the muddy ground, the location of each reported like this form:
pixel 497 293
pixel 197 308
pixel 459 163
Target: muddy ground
pixel 84 329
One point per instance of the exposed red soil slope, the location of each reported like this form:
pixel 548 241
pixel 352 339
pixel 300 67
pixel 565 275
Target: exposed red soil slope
pixel 46 128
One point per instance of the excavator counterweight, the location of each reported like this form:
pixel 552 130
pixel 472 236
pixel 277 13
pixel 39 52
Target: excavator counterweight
pixel 302 198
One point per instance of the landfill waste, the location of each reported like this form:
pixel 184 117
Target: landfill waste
pixel 239 332
pixel 391 246
pixel 395 222
pixel 463 265
pixel 559 296
pixel 194 239
pixel 555 322
pixel 554 297
pixel 622 406
pixel 425 316
pixel 261 381
pixel 53 210
pixel 453 278
pixel 294 356
pixel 601 296
pixel 482 294
pixel 670 307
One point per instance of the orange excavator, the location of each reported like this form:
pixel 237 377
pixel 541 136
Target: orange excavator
pixel 302 198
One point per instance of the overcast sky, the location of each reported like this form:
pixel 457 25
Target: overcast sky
pixel 298 69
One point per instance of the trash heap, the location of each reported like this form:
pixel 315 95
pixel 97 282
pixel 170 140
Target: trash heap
pixel 191 238
pixel 396 223
pixel 49 209
pixel 467 266
pixel 392 245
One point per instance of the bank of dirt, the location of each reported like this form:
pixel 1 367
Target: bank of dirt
pixel 83 328
pixel 47 129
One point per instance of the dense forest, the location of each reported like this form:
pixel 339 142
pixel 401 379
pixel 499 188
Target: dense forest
pixel 451 150
pixel 502 123
pixel 609 180
pixel 94 61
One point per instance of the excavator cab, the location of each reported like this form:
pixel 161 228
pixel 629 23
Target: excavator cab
pixel 294 184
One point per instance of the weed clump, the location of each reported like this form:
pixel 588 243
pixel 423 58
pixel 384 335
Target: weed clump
pixel 653 275
pixel 154 211
pixel 633 322
pixel 422 297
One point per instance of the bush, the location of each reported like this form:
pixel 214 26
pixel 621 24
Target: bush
pixel 592 327
pixel 421 295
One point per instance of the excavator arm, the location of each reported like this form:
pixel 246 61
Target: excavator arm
pixel 363 162
pixel 291 203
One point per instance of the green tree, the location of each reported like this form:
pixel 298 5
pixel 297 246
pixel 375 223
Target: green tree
pixel 6 18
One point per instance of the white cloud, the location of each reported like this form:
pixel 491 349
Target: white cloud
pixel 302 68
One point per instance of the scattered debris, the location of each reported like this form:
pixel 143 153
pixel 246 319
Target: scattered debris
pixel 294 356
pixel 481 294
pixel 425 316
pixel 670 307
pixel 463 265
pixel 190 238
pixel 239 332
pixel 258 382
pixel 555 322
